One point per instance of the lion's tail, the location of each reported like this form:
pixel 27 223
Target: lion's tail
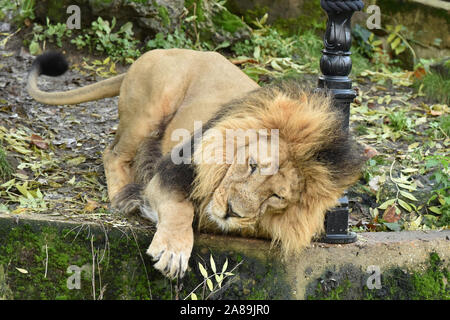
pixel 55 64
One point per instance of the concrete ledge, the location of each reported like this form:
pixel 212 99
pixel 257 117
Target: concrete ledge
pixel 320 272
pixel 331 265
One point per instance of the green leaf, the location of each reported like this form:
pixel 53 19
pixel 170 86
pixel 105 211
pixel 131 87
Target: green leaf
pixel 203 270
pixel 264 19
pixel 376 43
pixel 408 195
pixel 400 49
pixel 219 279
pixel 194 296
pixel 391 37
pixel 404 205
pixel 34 48
pixel 210 284
pixel 257 53
pixel 225 265
pixel 212 263
pixel 392 226
pixel 23 190
pixel 395 43
pixel 408 187
pixel 386 204
pixel 22 270
pixel 275 65
pixel 435 210
pixel 76 161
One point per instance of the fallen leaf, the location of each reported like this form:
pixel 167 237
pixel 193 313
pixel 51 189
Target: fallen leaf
pixel 91 205
pixel 239 61
pixel 390 214
pixel 76 161
pixel 436 113
pixel 369 152
pixel 420 73
pixel 22 270
pixel 38 142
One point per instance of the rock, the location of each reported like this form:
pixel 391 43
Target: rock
pixel 154 15
pixel 442 67
pixel 214 22
pixel 5 27
pixel 427 22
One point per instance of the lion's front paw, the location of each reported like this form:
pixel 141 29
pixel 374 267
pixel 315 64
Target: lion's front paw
pixel 172 250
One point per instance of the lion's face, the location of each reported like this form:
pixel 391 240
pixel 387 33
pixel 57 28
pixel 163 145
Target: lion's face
pixel 317 160
pixel 255 188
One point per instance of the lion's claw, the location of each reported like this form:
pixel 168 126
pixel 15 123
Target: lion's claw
pixel 172 256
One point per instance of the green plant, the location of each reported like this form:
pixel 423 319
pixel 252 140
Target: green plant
pixel 21 9
pixel 268 52
pixel 438 206
pixel 119 45
pixel 52 32
pixel 399 121
pixel 219 278
pixel 398 41
pixel 5 168
pixel 177 39
pixel 435 87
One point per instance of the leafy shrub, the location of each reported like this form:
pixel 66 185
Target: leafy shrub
pixel 120 45
pixel 52 32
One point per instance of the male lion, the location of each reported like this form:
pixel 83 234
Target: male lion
pixel 165 91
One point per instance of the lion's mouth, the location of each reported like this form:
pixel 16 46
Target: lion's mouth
pixel 230 213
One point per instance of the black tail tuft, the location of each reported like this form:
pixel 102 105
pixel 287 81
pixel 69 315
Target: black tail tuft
pixel 51 63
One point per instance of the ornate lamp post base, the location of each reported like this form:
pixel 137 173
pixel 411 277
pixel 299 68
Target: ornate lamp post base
pixel 336 223
pixel 335 66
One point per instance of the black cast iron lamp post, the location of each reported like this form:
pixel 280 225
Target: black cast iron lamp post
pixel 335 66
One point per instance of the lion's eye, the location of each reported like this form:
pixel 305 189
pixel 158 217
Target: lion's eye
pixel 277 196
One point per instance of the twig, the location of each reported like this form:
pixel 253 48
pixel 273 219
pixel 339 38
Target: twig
pixel 46 261
pixel 93 267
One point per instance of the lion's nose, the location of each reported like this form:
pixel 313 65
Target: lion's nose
pixel 230 212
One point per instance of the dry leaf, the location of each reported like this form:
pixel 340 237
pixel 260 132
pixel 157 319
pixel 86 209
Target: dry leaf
pixel 38 142
pixel 91 205
pixel 22 270
pixel 390 214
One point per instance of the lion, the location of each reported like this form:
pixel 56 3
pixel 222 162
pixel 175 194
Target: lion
pixel 165 91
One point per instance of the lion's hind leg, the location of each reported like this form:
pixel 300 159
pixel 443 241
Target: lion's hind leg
pixel 130 198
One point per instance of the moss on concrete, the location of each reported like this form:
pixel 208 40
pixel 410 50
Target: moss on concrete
pixel 35 256
pixel 429 284
pixel 396 284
